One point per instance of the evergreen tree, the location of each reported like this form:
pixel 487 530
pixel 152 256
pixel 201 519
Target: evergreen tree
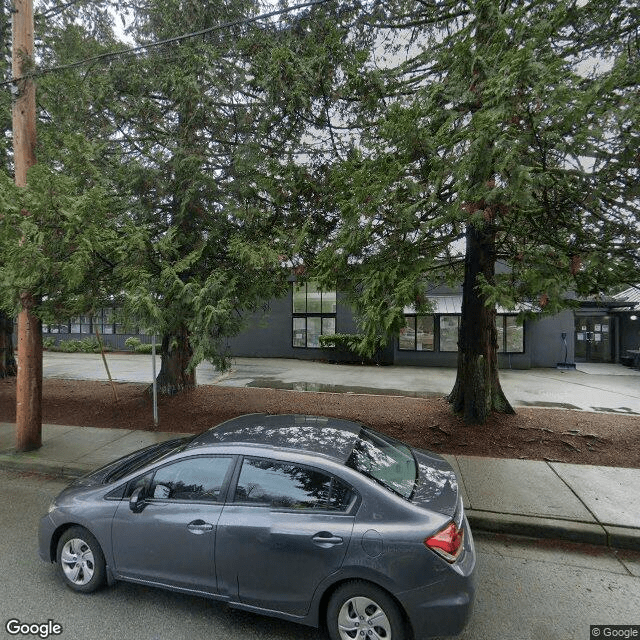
pixel 482 131
pixel 208 129
pixel 192 142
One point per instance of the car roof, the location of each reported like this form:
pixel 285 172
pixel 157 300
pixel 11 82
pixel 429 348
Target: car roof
pixel 330 437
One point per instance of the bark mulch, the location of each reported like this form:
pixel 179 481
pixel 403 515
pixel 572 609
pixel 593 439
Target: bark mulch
pixel 534 434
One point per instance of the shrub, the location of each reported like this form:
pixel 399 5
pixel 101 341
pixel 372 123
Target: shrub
pixel 68 346
pixel 133 343
pixel 348 343
pixel 88 345
pixel 147 348
pixel 140 347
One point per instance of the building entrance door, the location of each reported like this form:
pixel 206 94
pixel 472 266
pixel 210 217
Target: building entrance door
pixel 593 339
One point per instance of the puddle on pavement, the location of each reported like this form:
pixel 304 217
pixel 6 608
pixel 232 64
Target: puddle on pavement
pixel 271 383
pixel 550 405
pixel 564 405
pixel 625 411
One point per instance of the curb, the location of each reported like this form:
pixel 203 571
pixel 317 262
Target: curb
pixel 623 537
pixel 55 469
pixel 569 530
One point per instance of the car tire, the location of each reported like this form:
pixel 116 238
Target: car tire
pixel 356 607
pixel 80 560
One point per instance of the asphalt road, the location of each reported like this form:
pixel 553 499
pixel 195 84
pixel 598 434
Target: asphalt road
pixel 528 590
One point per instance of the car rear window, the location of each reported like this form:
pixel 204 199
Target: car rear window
pixel 385 460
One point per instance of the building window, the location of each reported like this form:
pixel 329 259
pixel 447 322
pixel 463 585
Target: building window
pixel 103 321
pixel 81 324
pixel 314 314
pixel 510 335
pixel 449 326
pixel 417 334
pixel 59 328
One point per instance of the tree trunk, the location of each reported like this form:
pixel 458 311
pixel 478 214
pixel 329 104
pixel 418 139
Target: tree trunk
pixel 175 358
pixel 7 359
pixel 477 391
pixel 29 379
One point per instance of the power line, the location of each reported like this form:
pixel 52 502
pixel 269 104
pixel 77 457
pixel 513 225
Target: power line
pixel 135 50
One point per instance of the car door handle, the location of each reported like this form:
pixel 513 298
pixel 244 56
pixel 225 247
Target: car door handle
pixel 199 526
pixel 326 539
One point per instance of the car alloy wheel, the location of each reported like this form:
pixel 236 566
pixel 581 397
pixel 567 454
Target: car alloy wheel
pixel 80 560
pixel 363 611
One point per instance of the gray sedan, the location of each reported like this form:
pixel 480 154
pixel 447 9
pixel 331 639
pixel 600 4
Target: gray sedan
pixel 316 520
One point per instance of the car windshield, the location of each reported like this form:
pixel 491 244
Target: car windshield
pixel 146 456
pixel 385 460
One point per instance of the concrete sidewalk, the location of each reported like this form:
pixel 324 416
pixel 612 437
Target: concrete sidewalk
pixel 580 503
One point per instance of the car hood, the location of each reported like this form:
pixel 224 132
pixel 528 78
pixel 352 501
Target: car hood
pixel 437 484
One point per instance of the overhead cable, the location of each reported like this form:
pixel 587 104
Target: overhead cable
pixel 145 47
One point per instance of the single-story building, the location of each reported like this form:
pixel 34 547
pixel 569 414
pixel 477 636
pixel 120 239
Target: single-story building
pixel 601 330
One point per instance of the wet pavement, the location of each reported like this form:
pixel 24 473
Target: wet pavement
pixel 590 387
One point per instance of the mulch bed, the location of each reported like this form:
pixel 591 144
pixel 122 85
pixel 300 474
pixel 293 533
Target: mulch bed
pixel 535 434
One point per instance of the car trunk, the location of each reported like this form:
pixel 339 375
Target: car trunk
pixel 437 484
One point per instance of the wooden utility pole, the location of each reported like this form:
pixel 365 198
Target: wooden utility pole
pixel 29 382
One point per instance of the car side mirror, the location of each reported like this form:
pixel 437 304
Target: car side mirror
pixel 137 502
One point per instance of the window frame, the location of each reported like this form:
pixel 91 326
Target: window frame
pixel 350 509
pixel 448 315
pixel 414 317
pixel 306 315
pixel 501 325
pixel 122 492
pixel 504 317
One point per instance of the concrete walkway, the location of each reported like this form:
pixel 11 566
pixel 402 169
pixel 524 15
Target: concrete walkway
pixel 590 387
pixel 596 505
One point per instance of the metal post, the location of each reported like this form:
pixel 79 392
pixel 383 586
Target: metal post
pixel 155 383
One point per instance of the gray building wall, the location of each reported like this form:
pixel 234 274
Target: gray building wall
pixel 543 339
pixel 269 334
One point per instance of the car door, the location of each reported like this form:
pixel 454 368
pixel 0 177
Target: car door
pixel 287 528
pixel 170 538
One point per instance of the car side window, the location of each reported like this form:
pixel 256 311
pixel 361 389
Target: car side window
pixel 143 481
pixel 282 485
pixel 198 479
pixel 341 497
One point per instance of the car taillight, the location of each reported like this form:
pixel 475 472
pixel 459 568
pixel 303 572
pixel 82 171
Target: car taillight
pixel 447 542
